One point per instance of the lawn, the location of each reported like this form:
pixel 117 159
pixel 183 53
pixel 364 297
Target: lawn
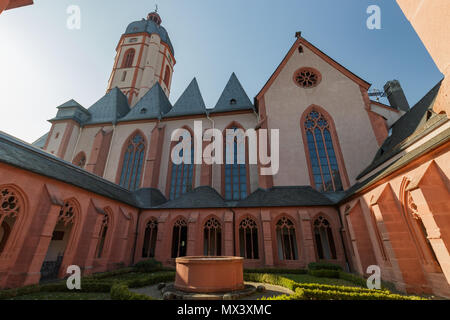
pixel 306 278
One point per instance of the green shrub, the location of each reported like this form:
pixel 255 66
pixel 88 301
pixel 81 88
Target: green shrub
pixel 151 279
pixel 324 266
pixel 277 270
pixel 109 274
pixel 149 265
pixel 324 273
pixel 120 291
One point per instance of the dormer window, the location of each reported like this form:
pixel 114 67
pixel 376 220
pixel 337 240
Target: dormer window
pixel 233 102
pixel 143 110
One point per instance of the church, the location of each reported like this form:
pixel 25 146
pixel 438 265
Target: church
pixel 359 183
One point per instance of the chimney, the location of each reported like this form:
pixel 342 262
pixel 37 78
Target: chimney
pixel 396 96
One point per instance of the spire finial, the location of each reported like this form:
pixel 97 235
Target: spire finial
pixel 156 8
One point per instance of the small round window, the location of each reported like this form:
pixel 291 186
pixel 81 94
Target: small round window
pixel 307 77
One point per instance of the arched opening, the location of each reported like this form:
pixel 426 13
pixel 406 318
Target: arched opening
pixel 10 207
pixel 128 59
pixel 132 163
pixel 151 232
pixel 286 240
pixel 324 239
pixel 181 176
pixel 59 242
pixel 235 175
pixel 212 238
pixel 167 76
pixel 324 165
pixel 102 236
pixel 80 160
pixel 179 238
pixel 248 239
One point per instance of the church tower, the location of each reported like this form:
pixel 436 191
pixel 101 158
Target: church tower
pixel 144 56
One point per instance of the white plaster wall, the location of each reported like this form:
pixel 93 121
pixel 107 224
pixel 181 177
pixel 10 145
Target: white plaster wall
pixel 120 136
pixel 391 116
pixel 86 140
pixel 54 143
pixel 339 96
pixel 71 144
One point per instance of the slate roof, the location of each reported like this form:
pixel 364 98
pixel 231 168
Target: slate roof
pixel 72 110
pixel 22 155
pixel 201 197
pixel 40 143
pixel 418 121
pixel 233 91
pixel 285 197
pixel 190 102
pixel 109 108
pixel 153 105
pixel 150 27
pixel 148 198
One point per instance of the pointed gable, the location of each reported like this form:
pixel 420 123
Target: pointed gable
pixel 70 103
pixel 233 97
pixel 336 65
pixel 190 102
pixel 153 105
pixel 109 108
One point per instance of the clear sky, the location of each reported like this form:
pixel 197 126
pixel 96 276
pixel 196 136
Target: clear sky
pixel 43 63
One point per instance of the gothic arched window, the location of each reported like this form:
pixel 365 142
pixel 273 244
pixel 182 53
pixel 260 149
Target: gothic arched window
pixel 167 76
pixel 10 208
pixel 133 161
pixel 102 235
pixel 324 164
pixel 287 242
pixel 324 239
pixel 248 239
pixel 151 231
pixel 212 236
pixel 128 58
pixel 235 174
pixel 182 175
pixel 179 238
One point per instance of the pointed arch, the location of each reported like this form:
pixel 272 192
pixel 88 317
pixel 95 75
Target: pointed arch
pixel 12 215
pixel 179 237
pixel 128 58
pixel 286 238
pixel 150 237
pixel 248 237
pixel 324 237
pixel 180 177
pixel 212 236
pixel 80 160
pixel 322 149
pixel 131 165
pixel 104 235
pixel 235 177
pixel 167 76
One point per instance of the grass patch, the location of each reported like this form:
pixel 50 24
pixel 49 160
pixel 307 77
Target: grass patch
pixel 306 278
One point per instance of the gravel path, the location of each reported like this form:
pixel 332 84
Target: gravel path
pixel 271 290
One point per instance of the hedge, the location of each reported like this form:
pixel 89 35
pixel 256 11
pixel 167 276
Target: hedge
pixel 324 266
pixel 120 291
pixel 149 265
pixel 276 270
pixel 311 291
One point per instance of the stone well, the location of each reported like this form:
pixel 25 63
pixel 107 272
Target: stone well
pixel 209 274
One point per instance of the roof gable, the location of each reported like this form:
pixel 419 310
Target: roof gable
pixel 153 105
pixel 109 108
pixel 190 102
pixel 302 41
pixel 233 97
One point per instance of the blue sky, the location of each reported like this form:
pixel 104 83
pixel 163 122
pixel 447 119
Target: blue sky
pixel 43 64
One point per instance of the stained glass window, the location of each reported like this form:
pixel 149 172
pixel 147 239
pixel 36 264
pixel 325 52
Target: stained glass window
pixel 133 161
pixel 182 175
pixel 324 163
pixel 235 173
